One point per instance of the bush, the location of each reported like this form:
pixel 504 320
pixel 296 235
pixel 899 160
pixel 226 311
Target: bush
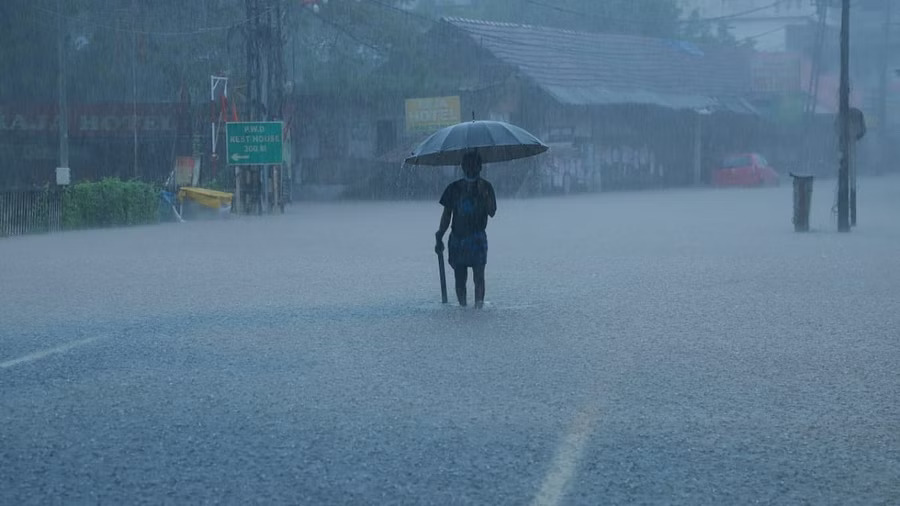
pixel 108 203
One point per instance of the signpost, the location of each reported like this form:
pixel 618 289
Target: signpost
pixel 254 143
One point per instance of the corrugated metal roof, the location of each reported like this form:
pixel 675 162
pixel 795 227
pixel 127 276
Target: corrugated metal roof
pixel 581 68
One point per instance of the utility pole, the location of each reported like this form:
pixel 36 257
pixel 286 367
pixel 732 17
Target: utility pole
pixel 134 16
pixel 265 81
pixel 821 26
pixel 844 118
pixel 251 35
pixel 698 148
pixel 63 99
pixel 812 142
pixel 883 84
pixel 277 81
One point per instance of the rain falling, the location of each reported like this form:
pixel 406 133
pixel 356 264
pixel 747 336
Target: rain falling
pixel 449 251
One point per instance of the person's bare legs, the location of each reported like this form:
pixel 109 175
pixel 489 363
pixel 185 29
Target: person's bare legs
pixel 461 274
pixel 478 277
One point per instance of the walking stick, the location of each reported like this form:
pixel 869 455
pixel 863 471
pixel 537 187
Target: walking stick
pixel 443 277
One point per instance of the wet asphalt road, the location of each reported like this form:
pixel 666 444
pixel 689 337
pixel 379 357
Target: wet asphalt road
pixel 681 347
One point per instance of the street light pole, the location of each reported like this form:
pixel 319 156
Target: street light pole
pixel 134 14
pixel 883 84
pixel 844 170
pixel 63 99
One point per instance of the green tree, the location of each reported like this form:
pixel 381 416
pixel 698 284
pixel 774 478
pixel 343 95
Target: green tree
pixel 164 43
pixel 348 43
pixel 696 29
pixel 28 59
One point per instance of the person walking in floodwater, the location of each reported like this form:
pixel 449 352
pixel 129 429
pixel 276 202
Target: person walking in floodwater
pixel 468 203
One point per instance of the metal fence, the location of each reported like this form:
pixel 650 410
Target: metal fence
pixel 29 212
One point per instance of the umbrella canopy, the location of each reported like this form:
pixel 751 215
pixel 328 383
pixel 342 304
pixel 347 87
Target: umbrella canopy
pixel 494 141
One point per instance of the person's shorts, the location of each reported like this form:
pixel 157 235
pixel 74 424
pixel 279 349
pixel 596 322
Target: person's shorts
pixel 469 251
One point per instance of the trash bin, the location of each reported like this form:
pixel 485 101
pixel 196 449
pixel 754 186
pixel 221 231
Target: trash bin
pixel 803 186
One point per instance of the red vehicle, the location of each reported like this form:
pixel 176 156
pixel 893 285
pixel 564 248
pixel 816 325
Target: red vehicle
pixel 749 169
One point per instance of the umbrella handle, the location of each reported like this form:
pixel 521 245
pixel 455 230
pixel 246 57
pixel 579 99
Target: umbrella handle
pixel 443 278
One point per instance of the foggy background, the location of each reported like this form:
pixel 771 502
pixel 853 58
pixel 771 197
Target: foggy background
pixel 646 338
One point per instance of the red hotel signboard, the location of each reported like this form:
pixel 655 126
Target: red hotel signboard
pixel 102 120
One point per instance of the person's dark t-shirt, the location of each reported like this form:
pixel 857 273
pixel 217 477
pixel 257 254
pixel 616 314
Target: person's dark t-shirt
pixel 471 202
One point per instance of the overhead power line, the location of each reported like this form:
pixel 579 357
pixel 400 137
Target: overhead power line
pixel 583 14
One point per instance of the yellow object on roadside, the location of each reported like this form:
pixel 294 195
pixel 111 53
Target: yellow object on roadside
pixel 212 199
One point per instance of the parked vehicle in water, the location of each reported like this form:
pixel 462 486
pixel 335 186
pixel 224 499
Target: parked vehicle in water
pixel 748 169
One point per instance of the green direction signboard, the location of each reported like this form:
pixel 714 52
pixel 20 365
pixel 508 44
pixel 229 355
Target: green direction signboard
pixel 254 142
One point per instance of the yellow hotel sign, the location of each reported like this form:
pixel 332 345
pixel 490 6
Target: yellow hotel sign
pixel 428 114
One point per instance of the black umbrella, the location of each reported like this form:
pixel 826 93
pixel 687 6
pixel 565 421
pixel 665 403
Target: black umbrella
pixel 494 141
